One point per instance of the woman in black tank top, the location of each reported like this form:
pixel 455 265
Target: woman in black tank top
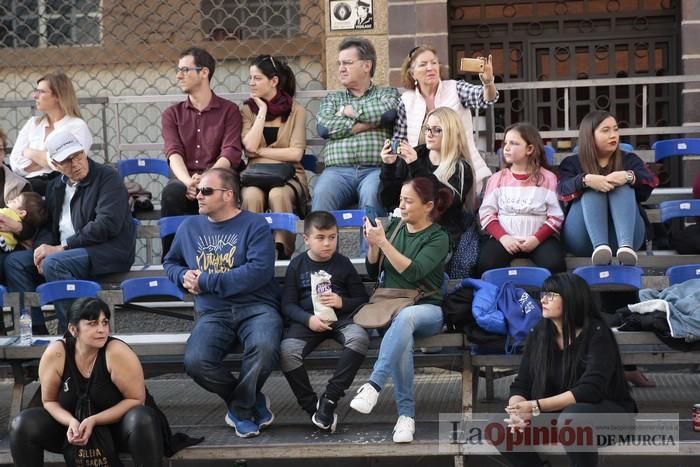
pixel 116 389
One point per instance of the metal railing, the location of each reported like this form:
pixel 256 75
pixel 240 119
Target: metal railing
pixel 568 85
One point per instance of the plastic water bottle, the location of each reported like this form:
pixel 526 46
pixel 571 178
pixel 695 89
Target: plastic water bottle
pixel 25 327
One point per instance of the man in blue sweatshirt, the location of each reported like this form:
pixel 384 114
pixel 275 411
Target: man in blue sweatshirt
pixel 226 258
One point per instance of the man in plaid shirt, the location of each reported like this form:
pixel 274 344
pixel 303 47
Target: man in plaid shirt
pixel 355 122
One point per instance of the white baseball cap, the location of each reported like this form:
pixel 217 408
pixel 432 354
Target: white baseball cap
pixel 61 145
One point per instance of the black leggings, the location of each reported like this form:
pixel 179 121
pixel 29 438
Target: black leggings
pixel 549 255
pixel 35 430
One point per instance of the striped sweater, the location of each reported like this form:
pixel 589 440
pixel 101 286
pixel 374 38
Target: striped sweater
pixel 518 207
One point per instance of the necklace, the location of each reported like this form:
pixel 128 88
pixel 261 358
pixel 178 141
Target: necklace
pixel 86 372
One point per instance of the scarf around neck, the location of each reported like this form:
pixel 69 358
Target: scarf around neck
pixel 279 106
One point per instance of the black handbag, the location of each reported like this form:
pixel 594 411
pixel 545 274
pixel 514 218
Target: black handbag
pixel 266 176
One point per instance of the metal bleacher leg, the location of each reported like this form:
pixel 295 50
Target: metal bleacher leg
pixel 489 383
pixel 17 391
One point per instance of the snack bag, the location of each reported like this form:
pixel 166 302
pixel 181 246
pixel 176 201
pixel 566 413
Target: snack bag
pixel 320 284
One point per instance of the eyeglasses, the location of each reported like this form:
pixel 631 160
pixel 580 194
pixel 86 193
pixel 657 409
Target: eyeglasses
pixel 548 296
pixel 187 69
pixel 346 63
pixel 274 65
pixel 208 191
pixel 432 130
pixel 41 91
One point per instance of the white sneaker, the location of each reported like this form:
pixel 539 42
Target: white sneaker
pixel 404 429
pixel 626 256
pixel 365 400
pixel 602 255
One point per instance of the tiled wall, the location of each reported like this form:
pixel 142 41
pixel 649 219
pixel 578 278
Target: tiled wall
pixel 412 23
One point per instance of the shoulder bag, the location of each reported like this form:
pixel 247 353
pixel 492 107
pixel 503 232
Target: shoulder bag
pixel 267 175
pixel 385 303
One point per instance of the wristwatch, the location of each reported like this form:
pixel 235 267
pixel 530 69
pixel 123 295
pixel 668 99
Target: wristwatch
pixel 535 408
pixel 629 177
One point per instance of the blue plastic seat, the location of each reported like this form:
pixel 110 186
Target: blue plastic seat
pixel 128 167
pixel 522 276
pixel 281 221
pixel 679 208
pixel 617 275
pixel 676 147
pixel 679 274
pixel 50 292
pixel 349 218
pixel 149 287
pixel 168 225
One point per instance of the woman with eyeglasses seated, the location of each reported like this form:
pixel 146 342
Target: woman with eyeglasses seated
pixel 274 132
pixel 428 88
pixel 88 359
pixel 54 96
pixel 570 367
pixel 441 155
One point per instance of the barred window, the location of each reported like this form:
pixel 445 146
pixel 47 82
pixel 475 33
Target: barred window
pixel 50 23
pixel 250 19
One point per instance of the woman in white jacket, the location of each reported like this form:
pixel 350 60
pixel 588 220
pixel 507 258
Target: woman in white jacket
pixel 427 88
pixel 54 96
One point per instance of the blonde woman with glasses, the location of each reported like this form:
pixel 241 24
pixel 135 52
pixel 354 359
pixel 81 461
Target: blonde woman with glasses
pixel 55 98
pixel 442 155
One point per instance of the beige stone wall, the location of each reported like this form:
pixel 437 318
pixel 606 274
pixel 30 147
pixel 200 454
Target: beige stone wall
pixel 377 35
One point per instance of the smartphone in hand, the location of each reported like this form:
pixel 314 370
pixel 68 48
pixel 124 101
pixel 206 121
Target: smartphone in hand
pixel 371 215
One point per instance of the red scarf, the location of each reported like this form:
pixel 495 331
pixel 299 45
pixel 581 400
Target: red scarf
pixel 279 106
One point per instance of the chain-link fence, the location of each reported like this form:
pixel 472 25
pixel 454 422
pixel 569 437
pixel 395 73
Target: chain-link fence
pixel 128 48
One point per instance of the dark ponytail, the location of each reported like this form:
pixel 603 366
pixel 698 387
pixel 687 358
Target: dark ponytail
pixel 271 67
pixel 430 189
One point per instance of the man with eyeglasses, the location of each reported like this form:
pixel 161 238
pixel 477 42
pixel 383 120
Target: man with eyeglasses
pixel 202 132
pixel 226 259
pixel 355 123
pixel 90 231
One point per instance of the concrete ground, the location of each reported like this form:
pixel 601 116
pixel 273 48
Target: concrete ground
pixel 191 409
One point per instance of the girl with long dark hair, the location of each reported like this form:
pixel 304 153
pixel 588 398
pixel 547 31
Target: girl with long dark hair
pixel 274 132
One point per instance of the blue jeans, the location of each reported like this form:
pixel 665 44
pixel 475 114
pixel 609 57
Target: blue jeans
pixel 341 187
pixel 22 276
pixel 396 352
pixel 215 334
pixel 604 219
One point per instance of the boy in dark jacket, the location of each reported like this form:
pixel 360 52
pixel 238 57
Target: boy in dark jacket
pixel 306 330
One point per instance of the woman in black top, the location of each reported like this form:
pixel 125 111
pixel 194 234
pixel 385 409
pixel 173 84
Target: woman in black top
pixel 116 390
pixel 571 365
pixel 444 155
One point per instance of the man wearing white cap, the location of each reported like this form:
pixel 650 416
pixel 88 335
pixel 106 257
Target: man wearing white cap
pixel 90 231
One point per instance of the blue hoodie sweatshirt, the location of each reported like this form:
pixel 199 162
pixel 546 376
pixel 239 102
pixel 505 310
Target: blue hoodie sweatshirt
pixel 236 257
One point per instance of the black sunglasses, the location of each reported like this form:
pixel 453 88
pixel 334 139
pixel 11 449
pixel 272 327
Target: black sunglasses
pixel 208 191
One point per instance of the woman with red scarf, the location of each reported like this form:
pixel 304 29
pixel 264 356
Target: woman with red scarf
pixel 274 131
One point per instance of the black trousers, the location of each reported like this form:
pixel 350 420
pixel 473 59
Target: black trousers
pixel 35 430
pixel 299 341
pixel 577 458
pixel 174 203
pixel 549 255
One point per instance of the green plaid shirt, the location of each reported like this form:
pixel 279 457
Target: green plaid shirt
pixel 343 148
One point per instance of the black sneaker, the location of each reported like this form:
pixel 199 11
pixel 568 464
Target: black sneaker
pixel 325 417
